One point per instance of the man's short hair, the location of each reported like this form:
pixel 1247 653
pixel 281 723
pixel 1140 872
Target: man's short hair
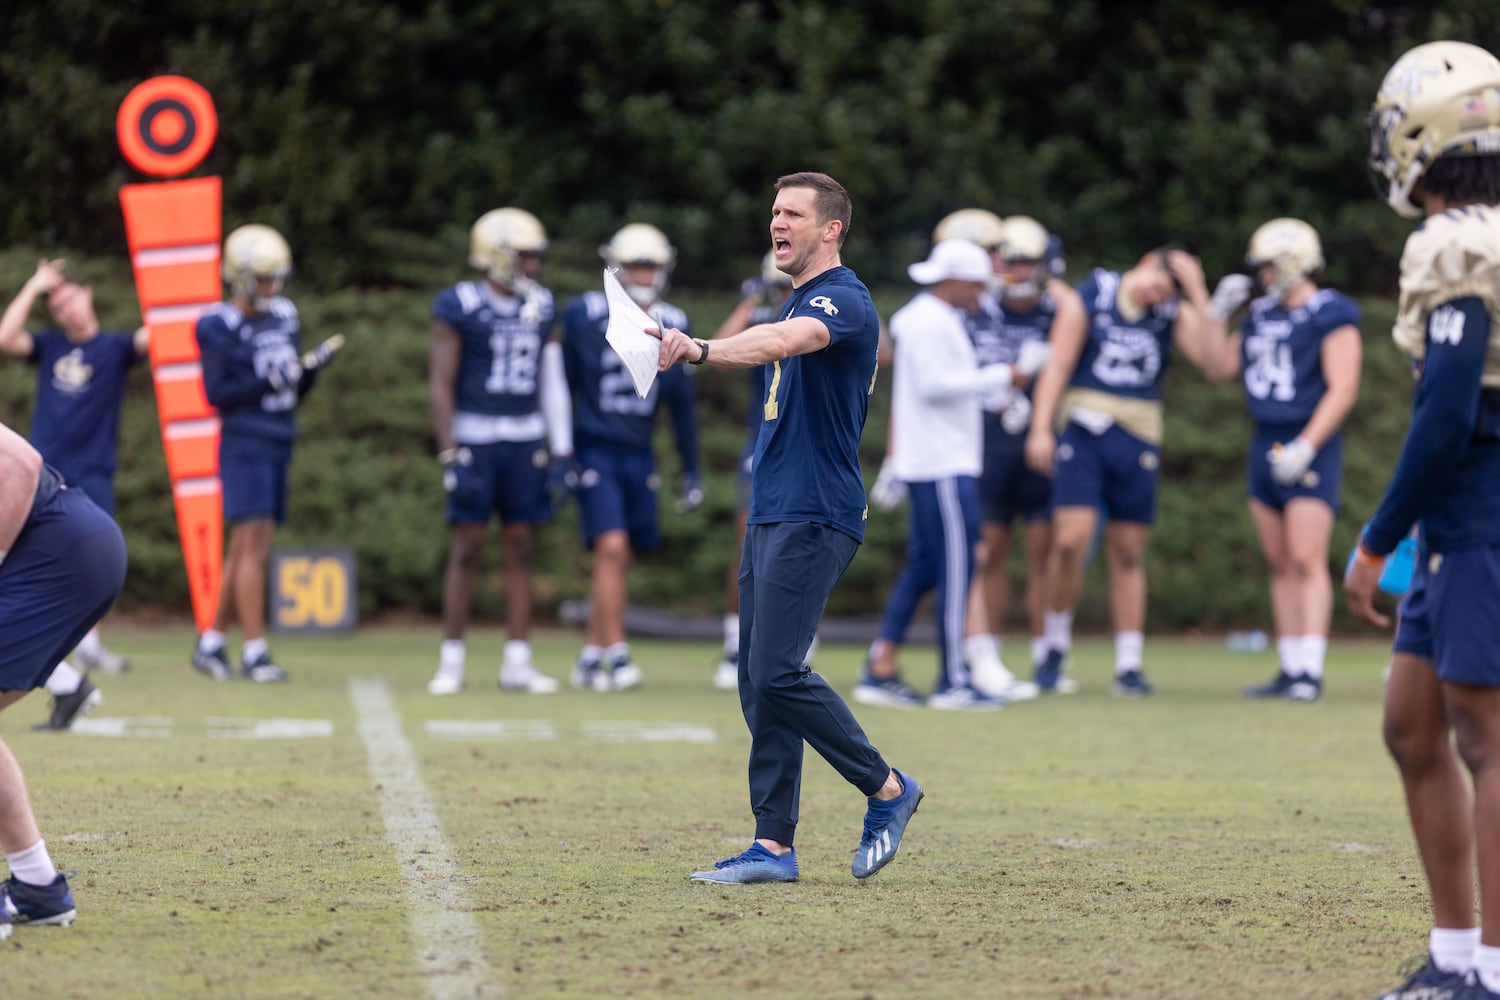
pixel 830 199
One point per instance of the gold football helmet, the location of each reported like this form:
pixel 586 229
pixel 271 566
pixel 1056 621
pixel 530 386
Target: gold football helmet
pixel 639 243
pixel 1023 240
pixel 252 254
pixel 1439 99
pixel 1292 246
pixel 497 240
pixel 977 225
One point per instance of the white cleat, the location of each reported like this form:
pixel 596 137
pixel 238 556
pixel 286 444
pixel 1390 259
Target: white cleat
pixel 624 676
pixel 104 660
pixel 446 682
pixel 727 676
pixel 993 679
pixel 526 678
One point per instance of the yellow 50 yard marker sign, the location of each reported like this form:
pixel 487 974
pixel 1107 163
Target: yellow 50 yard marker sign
pixel 313 590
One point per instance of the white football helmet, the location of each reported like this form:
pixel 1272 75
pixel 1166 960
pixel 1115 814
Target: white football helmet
pixel 773 277
pixel 1439 99
pixel 977 225
pixel 252 254
pixel 1292 246
pixel 498 238
pixel 1022 238
pixel 639 243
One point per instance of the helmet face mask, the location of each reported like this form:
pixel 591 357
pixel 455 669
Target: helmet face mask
pixel 641 245
pixel 499 241
pixel 1439 99
pixel 254 255
pixel 1023 241
pixel 1290 246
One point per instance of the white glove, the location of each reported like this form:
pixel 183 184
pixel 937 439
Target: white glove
pixel 1232 291
pixel 1034 354
pixel 888 493
pixel 1289 462
pixel 285 375
pixel 1016 417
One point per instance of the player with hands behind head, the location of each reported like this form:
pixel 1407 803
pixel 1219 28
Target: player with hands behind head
pixel 1435 152
pixel 1297 354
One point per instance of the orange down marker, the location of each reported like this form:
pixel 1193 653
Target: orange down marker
pixel 166 127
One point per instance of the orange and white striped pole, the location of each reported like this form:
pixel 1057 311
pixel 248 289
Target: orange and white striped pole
pixel 165 128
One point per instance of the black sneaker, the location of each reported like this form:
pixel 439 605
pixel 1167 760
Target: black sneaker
pixel 1131 684
pixel 38 905
pixel 66 708
pixel 213 662
pixel 1277 688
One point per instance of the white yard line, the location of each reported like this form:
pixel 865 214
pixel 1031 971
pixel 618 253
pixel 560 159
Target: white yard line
pixel 449 951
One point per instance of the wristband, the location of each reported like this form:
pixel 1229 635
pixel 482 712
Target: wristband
pixel 1365 557
pixel 702 357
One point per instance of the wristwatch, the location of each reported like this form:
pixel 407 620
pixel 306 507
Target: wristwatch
pixel 702 357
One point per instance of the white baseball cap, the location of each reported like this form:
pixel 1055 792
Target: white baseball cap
pixel 958 260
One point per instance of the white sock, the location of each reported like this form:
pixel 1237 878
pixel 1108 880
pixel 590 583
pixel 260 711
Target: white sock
pixel 1038 649
pixel 1453 950
pixel 1314 648
pixel 731 633
pixel 64 680
pixel 1487 964
pixel 451 656
pixel 999 642
pixel 90 646
pixel 210 640
pixel 591 654
pixel 34 865
pixel 517 653
pixel 1128 647
pixel 254 649
pixel 1058 628
pixel 1289 652
pixel 617 651
pixel 980 647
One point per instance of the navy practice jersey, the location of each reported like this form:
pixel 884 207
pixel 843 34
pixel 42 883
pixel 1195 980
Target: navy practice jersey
pixel 1281 355
pixel 79 391
pixel 1122 357
pixel 502 337
pixel 806 465
pixel 606 410
pixel 238 351
pixel 998 334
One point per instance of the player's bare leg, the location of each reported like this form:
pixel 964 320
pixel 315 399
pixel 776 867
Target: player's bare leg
pixel 209 656
pixel 18 829
pixel 1125 549
pixel 1072 534
pixel 254 538
pixel 994 575
pixel 1270 530
pixel 606 628
pixel 1475 713
pixel 1438 802
pixel 466 544
pixel 1038 542
pixel 517 672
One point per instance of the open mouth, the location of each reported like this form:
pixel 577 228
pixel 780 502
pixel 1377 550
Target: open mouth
pixel 781 247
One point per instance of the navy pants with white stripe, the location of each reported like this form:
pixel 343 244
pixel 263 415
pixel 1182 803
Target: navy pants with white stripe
pixel 787 571
pixel 942 532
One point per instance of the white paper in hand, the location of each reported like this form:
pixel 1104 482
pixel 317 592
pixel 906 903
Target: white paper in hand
pixel 627 334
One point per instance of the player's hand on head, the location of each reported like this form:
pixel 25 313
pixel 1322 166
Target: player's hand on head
pixel 1230 294
pixel 1189 273
pixel 49 274
pixel 689 494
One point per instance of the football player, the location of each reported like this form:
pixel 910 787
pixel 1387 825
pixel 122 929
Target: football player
pixel 502 419
pixel 1297 354
pixel 1435 152
pixel 1104 378
pixel 617 479
pixel 80 388
pixel 760 302
pixel 255 375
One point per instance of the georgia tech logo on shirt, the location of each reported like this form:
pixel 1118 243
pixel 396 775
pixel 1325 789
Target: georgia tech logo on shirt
pixel 71 373
pixel 824 303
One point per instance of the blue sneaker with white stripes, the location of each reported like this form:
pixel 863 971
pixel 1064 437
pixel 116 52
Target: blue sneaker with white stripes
pixel 885 824
pixel 758 864
pixel 38 905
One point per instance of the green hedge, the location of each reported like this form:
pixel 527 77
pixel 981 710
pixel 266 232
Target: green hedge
pixel 364 475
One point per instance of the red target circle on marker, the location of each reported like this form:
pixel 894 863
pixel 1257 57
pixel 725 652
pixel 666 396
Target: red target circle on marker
pixel 166 126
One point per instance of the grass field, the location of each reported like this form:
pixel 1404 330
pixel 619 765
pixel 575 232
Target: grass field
pixel 239 841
